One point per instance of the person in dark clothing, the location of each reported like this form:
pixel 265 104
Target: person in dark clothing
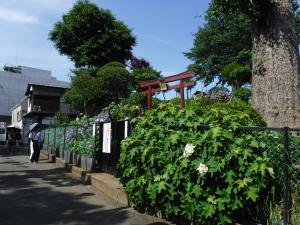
pixel 37 142
pixel 11 141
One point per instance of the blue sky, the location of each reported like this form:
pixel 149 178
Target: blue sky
pixel 164 30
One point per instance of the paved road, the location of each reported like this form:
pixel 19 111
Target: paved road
pixel 42 194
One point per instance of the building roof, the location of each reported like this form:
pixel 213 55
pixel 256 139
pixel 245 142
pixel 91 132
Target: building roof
pixel 42 86
pixel 14 82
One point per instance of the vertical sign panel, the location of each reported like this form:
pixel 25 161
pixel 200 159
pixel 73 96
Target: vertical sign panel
pixel 126 129
pixel 106 137
pixel 94 129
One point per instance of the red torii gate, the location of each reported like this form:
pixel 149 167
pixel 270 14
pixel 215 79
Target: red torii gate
pixel 148 85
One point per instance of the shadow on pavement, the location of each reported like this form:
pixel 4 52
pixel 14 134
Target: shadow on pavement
pixel 24 202
pixel 42 195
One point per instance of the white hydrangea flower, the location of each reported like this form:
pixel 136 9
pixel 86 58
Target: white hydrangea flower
pixel 271 172
pixel 202 169
pixel 189 150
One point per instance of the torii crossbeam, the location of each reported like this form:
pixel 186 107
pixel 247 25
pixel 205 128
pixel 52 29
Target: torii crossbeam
pixel 150 86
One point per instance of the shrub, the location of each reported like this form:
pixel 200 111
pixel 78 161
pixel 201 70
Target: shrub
pixel 233 106
pixel 115 81
pixel 218 93
pixel 243 94
pixel 85 142
pixel 173 165
pixel 144 74
pixel 130 107
pixel 60 118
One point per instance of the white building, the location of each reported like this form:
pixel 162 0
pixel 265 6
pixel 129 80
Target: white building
pixel 18 111
pixel 13 85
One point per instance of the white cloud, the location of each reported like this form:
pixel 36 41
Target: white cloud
pixel 47 6
pixel 54 3
pixel 9 15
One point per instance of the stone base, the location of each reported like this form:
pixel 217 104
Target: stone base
pixel 51 157
pixel 60 162
pixel 83 175
pixel 109 185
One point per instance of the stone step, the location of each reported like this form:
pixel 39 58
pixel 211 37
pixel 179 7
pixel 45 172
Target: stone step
pixel 109 185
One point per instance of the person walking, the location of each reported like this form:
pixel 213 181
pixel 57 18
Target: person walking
pixel 37 142
pixel 11 141
pixel 30 145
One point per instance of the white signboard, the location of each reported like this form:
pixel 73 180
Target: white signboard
pixel 106 137
pixel 126 129
pixel 94 129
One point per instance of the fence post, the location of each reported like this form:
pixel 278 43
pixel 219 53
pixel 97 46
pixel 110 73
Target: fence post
pixel 286 176
pixel 95 135
pixel 54 142
pixel 76 133
pixel 65 128
pixel 48 135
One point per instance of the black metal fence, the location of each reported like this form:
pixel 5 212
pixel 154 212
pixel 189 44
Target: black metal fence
pixel 282 147
pixel 99 141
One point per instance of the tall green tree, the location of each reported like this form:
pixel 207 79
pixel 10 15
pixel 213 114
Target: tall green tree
pixel 275 64
pixel 141 70
pixel 136 63
pixel 115 81
pixel 84 91
pixel 222 48
pixel 92 36
pixel 275 55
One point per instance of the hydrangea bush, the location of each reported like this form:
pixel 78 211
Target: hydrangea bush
pixel 185 164
pixel 85 144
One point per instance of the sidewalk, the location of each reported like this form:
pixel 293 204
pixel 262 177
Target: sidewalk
pixel 43 194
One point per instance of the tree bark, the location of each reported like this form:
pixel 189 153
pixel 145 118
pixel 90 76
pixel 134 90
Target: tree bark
pixel 85 107
pixel 275 75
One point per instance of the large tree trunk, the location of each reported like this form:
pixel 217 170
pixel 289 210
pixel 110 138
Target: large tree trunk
pixel 275 76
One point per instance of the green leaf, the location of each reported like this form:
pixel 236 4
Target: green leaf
pixel 230 177
pixel 263 168
pixel 216 131
pixel 184 163
pixel 254 143
pixel 254 167
pixel 196 190
pixel 237 204
pixel 246 153
pixel 243 182
pixel 174 138
pixel 252 193
pixel 224 219
pixel 208 210
pixel 161 186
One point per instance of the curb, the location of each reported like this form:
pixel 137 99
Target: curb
pixel 109 185
pixel 103 182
